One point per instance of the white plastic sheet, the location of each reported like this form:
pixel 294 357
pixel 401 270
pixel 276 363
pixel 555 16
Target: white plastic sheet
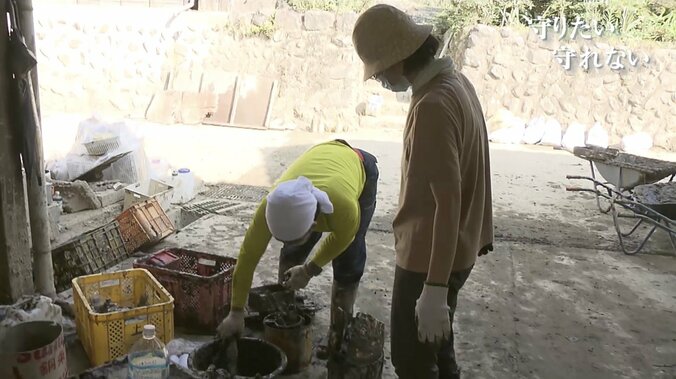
pixel 180 346
pixel 129 169
pixel 33 308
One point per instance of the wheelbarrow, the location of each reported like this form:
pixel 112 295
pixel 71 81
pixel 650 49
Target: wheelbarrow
pixel 650 204
pixel 622 172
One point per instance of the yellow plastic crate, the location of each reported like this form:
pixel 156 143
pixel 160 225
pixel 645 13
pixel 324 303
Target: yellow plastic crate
pixel 106 336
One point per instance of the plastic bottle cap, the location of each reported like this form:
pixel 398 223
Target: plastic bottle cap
pixel 149 331
pixel 183 170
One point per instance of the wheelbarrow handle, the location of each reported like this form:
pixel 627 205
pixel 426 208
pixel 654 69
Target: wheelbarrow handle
pixel 590 190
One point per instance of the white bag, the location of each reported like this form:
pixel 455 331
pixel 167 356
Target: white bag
pixel 508 128
pixel 535 131
pixel 597 136
pixel 574 136
pixel 552 135
pixel 637 143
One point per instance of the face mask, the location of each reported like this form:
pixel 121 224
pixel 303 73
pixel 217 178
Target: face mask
pixel 401 86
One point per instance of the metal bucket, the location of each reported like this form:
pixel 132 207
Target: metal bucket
pixel 34 349
pixel 294 339
pixel 256 358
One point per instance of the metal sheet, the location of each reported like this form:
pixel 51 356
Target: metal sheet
pixel 205 207
pixel 253 99
pixel 237 192
pixel 225 92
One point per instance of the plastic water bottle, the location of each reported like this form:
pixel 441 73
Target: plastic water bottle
pixel 148 357
pixel 58 200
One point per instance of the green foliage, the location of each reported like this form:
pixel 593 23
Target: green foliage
pixel 266 30
pixel 330 5
pixel 458 14
pixel 653 20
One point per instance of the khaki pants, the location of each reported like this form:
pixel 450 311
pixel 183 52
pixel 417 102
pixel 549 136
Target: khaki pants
pixel 411 358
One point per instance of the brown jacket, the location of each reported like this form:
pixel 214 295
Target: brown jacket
pixel 445 147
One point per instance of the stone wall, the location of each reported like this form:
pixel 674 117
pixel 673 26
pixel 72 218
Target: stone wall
pixel 115 60
pixel 145 63
pixel 518 71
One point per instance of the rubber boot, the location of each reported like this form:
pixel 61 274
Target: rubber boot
pixel 342 307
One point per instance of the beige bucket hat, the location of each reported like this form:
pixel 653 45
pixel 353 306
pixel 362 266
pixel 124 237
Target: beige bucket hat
pixel 384 36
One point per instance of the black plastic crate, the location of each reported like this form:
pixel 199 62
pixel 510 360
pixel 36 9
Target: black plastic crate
pixel 88 254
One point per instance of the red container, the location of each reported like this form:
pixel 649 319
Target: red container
pixel 200 283
pixel 162 258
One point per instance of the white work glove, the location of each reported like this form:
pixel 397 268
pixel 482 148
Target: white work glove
pixel 233 325
pixel 431 313
pixel 298 277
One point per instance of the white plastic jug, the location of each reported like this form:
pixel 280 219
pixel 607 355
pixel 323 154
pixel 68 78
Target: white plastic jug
pixel 184 186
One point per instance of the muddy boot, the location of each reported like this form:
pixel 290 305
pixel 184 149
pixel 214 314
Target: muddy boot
pixel 342 305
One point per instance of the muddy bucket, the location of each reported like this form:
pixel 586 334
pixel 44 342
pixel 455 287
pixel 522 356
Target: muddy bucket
pixel 293 336
pixel 340 369
pixel 362 350
pixel 256 358
pixel 34 349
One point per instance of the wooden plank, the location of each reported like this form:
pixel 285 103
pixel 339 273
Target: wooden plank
pixel 224 88
pixel 268 111
pixel 245 104
pixel 253 98
pixel 235 96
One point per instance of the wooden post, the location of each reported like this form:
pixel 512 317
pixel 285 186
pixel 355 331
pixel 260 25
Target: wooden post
pixel 43 271
pixel 15 259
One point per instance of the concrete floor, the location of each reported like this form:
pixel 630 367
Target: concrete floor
pixel 556 299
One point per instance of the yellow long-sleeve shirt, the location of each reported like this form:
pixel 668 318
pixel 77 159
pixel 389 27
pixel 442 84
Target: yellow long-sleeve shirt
pixel 331 167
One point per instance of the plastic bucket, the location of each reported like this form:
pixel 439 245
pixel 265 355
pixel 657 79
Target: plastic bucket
pixel 34 349
pixel 256 358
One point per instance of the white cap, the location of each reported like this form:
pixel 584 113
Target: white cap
pixel 149 331
pixel 291 208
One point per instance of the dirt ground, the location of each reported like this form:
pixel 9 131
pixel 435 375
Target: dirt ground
pixel 556 299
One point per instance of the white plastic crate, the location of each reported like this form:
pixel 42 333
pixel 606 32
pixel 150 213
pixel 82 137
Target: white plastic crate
pixel 150 189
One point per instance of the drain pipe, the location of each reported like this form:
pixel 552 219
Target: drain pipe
pixel 171 33
pixel 43 270
pixel 185 8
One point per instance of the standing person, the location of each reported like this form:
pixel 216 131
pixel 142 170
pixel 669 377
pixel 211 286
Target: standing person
pixel 445 214
pixel 330 188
